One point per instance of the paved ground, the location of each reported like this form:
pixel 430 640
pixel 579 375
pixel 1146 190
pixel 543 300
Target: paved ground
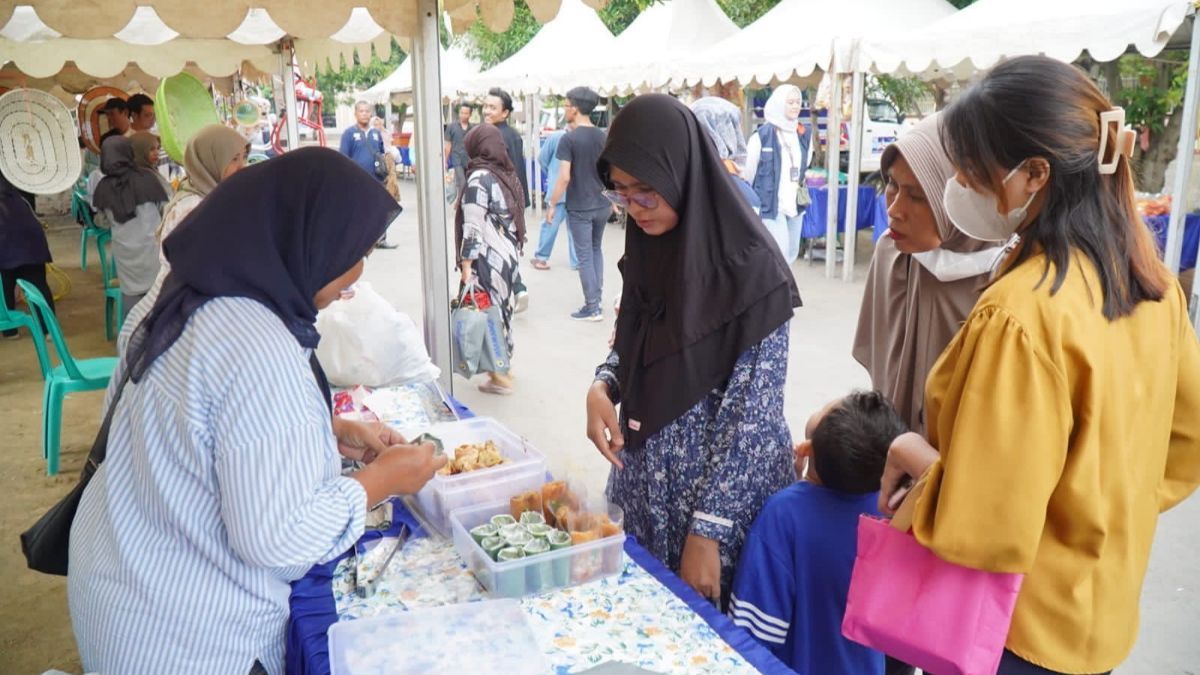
pixel 554 361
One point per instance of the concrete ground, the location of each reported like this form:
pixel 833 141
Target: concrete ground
pixel 554 361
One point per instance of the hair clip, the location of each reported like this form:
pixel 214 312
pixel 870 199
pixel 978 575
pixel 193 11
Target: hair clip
pixel 1122 141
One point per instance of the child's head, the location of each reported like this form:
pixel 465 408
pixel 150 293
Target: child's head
pixel 847 442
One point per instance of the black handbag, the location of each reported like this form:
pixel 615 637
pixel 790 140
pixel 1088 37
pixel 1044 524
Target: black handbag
pixel 46 544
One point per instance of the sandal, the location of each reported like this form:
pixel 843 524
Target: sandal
pixel 490 387
pixel 539 264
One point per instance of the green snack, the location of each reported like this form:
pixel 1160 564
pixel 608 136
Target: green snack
pixel 539 575
pixel 493 545
pixel 439 448
pixel 503 519
pixel 518 538
pixel 560 567
pixel 511 530
pixel 483 532
pixel 510 583
pixel 558 540
pixel 532 518
pixel 539 530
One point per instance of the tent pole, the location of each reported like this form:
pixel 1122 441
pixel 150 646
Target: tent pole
pixel 856 137
pixel 287 57
pixel 534 151
pixel 1183 158
pixel 431 205
pixel 833 152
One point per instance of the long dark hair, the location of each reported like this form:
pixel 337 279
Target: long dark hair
pixel 1035 106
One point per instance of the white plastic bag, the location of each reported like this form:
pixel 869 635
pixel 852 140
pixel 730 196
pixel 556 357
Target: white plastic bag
pixel 366 341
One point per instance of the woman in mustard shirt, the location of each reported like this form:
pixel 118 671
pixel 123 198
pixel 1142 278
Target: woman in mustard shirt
pixel 1063 417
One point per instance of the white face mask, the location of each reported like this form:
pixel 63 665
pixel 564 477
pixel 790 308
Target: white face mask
pixel 947 266
pixel 976 214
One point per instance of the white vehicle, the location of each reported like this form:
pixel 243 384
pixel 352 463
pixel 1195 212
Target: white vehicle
pixel 882 127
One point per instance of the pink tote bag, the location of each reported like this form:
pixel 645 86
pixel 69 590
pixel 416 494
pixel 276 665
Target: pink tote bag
pixel 911 605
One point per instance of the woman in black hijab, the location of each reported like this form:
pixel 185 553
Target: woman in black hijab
pixel 223 464
pixel 24 251
pixel 700 355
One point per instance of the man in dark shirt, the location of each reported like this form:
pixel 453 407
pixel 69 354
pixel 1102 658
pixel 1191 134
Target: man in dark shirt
pixel 117 112
pixel 497 108
pixel 362 143
pixel 587 207
pixel 455 150
pixel 141 112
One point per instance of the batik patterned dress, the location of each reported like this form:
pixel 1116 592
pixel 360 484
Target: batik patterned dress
pixel 711 470
pixel 490 241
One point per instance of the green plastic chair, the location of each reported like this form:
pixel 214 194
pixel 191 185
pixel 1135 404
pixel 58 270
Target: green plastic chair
pixel 114 301
pixel 12 319
pixel 71 376
pixel 80 211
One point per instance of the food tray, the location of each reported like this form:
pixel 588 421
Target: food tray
pixel 492 636
pixel 545 572
pixel 526 470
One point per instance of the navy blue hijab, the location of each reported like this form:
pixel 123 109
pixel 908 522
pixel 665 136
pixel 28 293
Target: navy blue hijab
pixel 275 232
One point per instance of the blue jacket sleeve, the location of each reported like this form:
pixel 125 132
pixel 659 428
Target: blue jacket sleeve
pixel 763 591
pixel 347 143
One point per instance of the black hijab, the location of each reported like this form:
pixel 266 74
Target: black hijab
pixel 276 232
pixel 698 296
pixel 22 239
pixel 486 150
pixel 126 183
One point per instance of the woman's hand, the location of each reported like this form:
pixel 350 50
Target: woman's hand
pixel 909 457
pixel 399 470
pixel 603 425
pixel 465 266
pixel 363 441
pixel 700 566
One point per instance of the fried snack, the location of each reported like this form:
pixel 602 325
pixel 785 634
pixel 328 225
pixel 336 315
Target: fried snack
pixel 526 501
pixel 471 457
pixel 583 537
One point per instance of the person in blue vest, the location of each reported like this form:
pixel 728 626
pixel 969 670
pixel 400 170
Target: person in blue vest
pixel 776 158
pixel 363 143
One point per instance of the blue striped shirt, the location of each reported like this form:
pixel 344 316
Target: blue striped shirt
pixel 222 484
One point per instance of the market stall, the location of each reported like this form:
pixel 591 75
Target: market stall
pixel 591 602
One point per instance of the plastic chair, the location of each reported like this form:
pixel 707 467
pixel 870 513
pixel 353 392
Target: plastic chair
pixel 114 301
pixel 83 213
pixel 12 319
pixel 71 376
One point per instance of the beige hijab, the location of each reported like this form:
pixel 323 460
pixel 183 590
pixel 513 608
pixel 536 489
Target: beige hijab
pixel 207 155
pixel 908 316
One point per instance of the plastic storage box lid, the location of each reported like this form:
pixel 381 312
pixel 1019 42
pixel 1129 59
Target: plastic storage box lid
pixel 183 106
pixel 476 637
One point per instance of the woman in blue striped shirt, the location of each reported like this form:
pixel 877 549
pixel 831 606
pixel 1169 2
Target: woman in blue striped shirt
pixel 222 482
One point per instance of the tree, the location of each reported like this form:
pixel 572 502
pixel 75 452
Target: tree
pixel 1151 92
pixel 345 78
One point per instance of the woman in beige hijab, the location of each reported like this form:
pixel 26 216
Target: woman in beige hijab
pixel 924 278
pixel 215 153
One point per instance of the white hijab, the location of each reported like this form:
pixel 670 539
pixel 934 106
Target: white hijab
pixel 775 111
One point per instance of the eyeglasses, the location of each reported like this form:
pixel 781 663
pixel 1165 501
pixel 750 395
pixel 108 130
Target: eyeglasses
pixel 646 199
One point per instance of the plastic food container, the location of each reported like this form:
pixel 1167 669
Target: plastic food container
pixel 530 575
pixel 526 470
pixel 476 637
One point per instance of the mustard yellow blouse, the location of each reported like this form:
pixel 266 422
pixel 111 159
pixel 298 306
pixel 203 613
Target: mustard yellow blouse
pixel 1062 436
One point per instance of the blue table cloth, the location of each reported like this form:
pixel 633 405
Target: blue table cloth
pixel 872 212
pixel 1191 236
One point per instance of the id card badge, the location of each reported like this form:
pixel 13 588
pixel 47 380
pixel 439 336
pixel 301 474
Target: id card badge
pixel 794 174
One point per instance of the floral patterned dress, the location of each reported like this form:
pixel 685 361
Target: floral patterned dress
pixel 490 242
pixel 711 470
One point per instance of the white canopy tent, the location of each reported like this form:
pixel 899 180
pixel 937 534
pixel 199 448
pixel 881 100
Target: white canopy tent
pixel 456 67
pixel 990 30
pixel 44 39
pixel 798 37
pixel 666 33
pixel 537 68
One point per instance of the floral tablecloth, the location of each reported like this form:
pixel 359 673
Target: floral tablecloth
pixel 631 617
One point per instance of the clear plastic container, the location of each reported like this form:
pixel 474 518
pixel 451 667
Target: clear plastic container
pixel 525 470
pixel 492 636
pixel 576 564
